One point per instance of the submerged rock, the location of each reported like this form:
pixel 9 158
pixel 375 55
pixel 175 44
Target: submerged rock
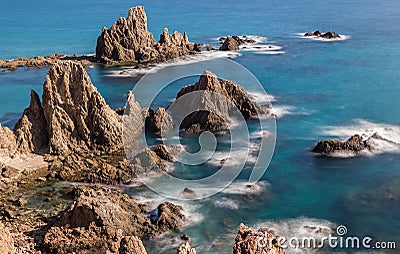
pixel 102 219
pixel 355 144
pixel 6 240
pixel 330 35
pixel 247 241
pixel 128 41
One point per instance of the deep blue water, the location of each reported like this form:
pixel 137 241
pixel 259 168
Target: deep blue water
pixel 325 83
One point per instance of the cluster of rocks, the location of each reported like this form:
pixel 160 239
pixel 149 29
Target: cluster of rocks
pixel 251 241
pixel 327 35
pixel 41 61
pixel 354 145
pixel 102 219
pixel 128 41
pixel 234 42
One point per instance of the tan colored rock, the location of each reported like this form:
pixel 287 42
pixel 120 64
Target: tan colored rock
pixel 102 219
pixel 248 241
pixel 6 240
pixel 131 245
pixel 186 249
pixel 77 116
pixel 7 142
pixel 161 122
pixel 128 41
pixel 31 129
pixel 217 100
pixel 40 61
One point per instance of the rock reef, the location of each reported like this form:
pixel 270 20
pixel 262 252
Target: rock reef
pixel 129 42
pixel 234 42
pixel 247 241
pixel 42 61
pixel 213 112
pixel 354 144
pixel 102 219
pixel 327 35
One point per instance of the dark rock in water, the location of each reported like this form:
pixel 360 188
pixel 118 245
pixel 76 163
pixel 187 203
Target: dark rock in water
pixel 128 41
pixel 330 35
pixel 233 42
pixel 31 129
pixel 189 193
pixel 131 245
pixel 230 44
pixel 247 241
pixel 212 119
pixel 102 220
pixel 354 144
pixel 327 35
pixel 6 240
pixel 202 120
pixel 315 33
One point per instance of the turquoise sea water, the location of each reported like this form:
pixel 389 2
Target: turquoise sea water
pixel 352 85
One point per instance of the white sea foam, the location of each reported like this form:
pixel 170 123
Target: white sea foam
pixel 317 38
pixel 261 97
pixel 203 56
pixel 271 52
pixel 382 138
pixel 226 203
pixel 284 110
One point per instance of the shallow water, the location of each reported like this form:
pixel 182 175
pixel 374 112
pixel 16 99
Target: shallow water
pixel 320 84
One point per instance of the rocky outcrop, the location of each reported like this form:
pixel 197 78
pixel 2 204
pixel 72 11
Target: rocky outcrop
pixel 230 44
pixel 128 41
pixel 102 219
pixel 212 110
pixel 186 249
pixel 248 241
pixel 77 116
pixel 327 35
pixel 234 42
pixel 31 129
pixel 331 35
pixel 355 144
pixel 8 143
pixel 131 245
pixel 40 61
pixel 6 240
pixel 159 122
